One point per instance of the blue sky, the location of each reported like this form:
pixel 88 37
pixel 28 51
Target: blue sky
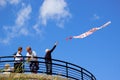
pixel 39 23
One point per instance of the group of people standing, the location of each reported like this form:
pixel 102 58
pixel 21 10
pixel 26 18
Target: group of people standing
pixel 31 58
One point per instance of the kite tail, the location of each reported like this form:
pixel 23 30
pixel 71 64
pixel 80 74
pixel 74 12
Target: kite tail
pixel 69 38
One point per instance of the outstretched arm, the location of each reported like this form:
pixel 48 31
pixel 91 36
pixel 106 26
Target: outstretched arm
pixel 56 43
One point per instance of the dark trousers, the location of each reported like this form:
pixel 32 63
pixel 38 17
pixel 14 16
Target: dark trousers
pixel 34 66
pixel 18 67
pixel 48 66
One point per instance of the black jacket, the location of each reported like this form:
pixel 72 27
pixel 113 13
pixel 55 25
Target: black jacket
pixel 48 54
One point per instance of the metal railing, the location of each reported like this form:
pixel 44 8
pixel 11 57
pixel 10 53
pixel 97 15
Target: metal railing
pixel 61 68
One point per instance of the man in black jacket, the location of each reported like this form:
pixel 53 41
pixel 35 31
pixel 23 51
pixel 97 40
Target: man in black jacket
pixel 48 59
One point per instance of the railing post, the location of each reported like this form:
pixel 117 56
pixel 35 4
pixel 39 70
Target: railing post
pixel 82 74
pixel 23 65
pixel 66 69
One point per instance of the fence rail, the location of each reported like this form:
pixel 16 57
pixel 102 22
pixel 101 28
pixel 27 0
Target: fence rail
pixel 61 68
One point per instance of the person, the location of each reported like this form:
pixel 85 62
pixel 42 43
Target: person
pixel 48 59
pixel 7 69
pixel 18 65
pixel 32 58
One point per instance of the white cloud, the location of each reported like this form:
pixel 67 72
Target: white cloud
pixel 19 27
pixel 5 41
pixel 14 1
pixel 23 31
pixel 96 17
pixel 23 15
pixel 3 3
pixel 36 28
pixel 54 9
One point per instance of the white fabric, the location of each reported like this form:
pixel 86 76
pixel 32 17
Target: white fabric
pixel 91 31
pixel 7 71
pixel 106 24
pixel 17 57
pixel 31 55
pixel 86 33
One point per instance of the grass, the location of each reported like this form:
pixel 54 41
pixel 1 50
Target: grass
pixel 22 76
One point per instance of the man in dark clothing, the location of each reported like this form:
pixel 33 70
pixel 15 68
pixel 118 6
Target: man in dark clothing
pixel 48 59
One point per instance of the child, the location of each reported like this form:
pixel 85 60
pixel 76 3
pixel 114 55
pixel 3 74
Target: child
pixel 7 69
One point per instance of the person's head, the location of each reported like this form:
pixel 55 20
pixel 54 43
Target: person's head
pixel 29 50
pixel 47 50
pixel 7 66
pixel 20 49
